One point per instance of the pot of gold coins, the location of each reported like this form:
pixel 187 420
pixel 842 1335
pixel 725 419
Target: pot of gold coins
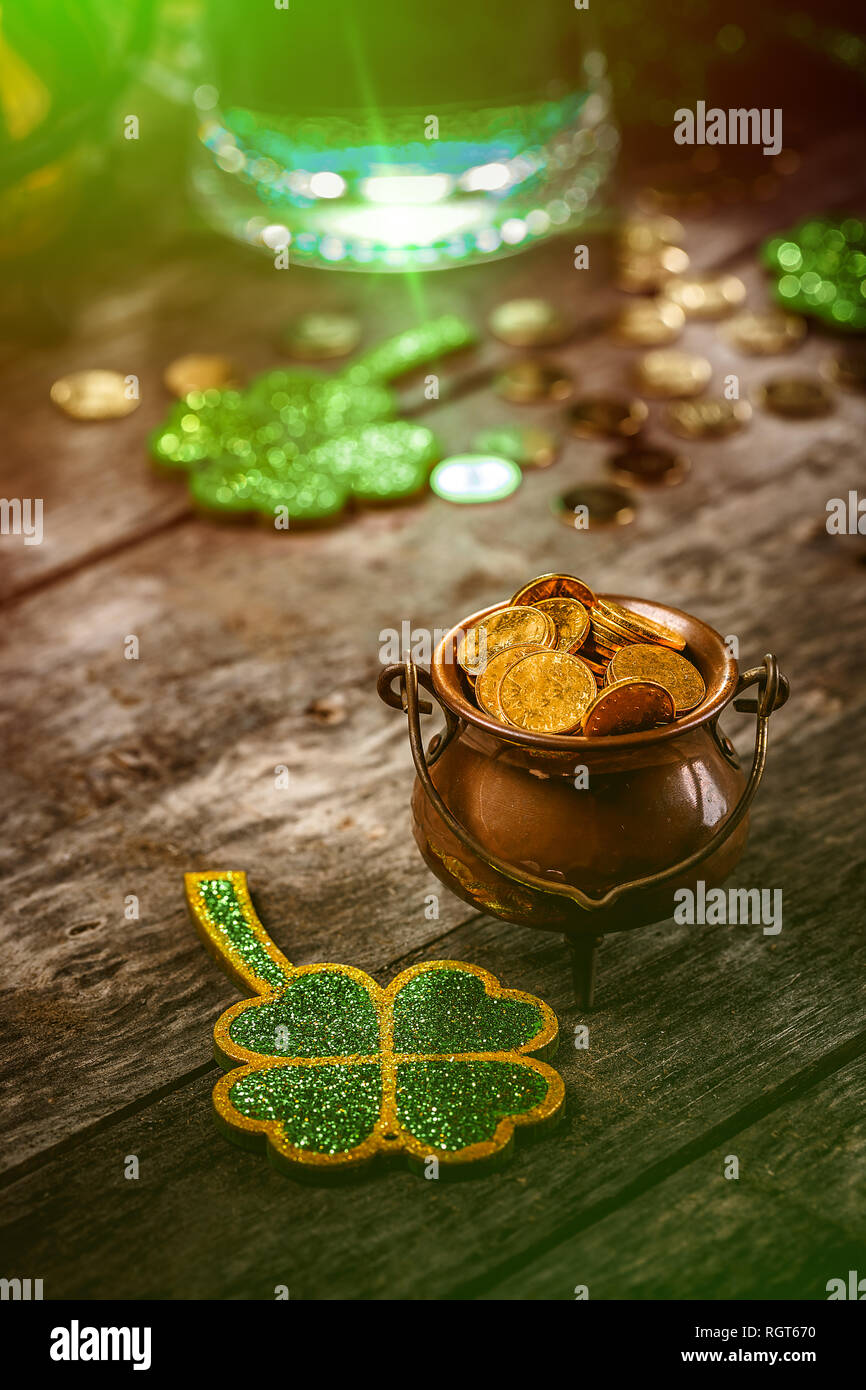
pixel 581 777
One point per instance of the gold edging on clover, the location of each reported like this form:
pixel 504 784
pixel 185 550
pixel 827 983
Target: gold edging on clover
pixel 388 1137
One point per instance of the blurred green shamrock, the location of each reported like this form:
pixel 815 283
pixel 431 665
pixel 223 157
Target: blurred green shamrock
pixel 820 269
pixel 296 447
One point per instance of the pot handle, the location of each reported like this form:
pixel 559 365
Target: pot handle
pixel 773 692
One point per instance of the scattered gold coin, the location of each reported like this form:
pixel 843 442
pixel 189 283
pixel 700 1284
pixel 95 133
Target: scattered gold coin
pixel 95 395
pixel 627 707
pixel 796 397
pixel 508 627
pixel 708 419
pixel 527 445
pixel 198 371
pixel 649 465
pixel 528 382
pixel 547 692
pixel 706 296
pixel 848 367
pixel 764 334
pixel 644 272
pixel 666 667
pixel 526 323
pixel 591 505
pixel 646 233
pixel 668 372
pixel 487 684
pixel 637 627
pixel 598 416
pixel 321 336
pixel 546 586
pixel 648 323
pixel 570 620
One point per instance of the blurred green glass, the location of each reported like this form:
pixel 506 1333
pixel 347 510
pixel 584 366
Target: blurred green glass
pixel 392 135
pixel 63 65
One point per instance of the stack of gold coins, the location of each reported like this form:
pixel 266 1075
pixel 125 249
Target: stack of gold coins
pixel 560 659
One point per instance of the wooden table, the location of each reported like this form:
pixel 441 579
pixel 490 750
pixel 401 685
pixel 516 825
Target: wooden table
pixel 259 649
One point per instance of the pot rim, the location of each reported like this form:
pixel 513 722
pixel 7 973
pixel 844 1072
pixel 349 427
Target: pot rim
pixel 704 646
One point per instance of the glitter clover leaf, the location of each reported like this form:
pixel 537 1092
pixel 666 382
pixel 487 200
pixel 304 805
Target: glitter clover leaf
pixel 337 1071
pixel 301 446
pixel 820 269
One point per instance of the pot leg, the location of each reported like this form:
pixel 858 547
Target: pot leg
pixel 584 965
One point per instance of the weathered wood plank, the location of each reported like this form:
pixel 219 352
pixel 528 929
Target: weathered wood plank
pixel 168 763
pixel 792 1221
pixel 699 1023
pixel 695 1024
pixel 123 774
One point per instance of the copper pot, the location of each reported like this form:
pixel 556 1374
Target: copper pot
pixel 583 835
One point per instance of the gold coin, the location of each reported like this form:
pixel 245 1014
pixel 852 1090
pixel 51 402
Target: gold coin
pixel 198 371
pixel 589 506
pixel 487 684
pixel 648 323
pixel 706 296
pixel 530 323
pixel 596 663
pixel 529 382
pixel 95 395
pixel 547 692
pixel 668 372
pixel 646 233
pixel 647 271
pixel 321 336
pixel 796 397
pixel 570 620
pixel 764 334
pixel 667 667
pixel 609 636
pixel 605 644
pixel 638 627
pixel 598 416
pixel 628 707
pixel 650 466
pixel 527 445
pixel 546 586
pixel 848 367
pixel 508 627
pixel 708 419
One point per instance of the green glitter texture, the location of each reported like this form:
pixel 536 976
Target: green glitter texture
pixel 330 1107
pixel 444 1103
pixel 449 1011
pixel 322 1014
pixel 820 269
pixel 309 444
pixel 451 1104
pixel 227 913
pixel 326 1109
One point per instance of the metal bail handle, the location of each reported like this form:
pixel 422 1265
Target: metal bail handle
pixel 773 692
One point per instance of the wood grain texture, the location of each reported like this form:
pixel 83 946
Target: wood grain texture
pixel 260 650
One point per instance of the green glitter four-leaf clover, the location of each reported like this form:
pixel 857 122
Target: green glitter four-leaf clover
pixel 299 446
pixel 820 269
pixel 337 1070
